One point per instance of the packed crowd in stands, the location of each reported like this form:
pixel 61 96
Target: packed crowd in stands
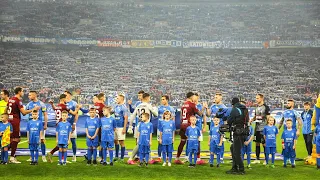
pixel 279 76
pixel 161 21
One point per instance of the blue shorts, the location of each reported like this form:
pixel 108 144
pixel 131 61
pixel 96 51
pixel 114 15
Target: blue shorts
pixel 215 148
pixel 107 144
pixel 92 143
pixel 144 149
pixel 192 145
pixel 270 150
pixel 192 151
pixel 167 148
pixel 33 147
pixel 246 149
pixel 289 152
pixel 64 146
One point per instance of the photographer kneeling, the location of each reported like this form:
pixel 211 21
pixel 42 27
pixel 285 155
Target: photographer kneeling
pixel 238 122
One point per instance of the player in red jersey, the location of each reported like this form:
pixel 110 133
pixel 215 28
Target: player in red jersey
pixel 188 109
pixel 62 106
pixel 58 110
pixel 14 108
pixel 98 106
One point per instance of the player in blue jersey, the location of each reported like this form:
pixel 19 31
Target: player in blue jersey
pixel 306 117
pixel 317 143
pixel 167 128
pixel 121 117
pixel 215 141
pixel 131 108
pixel 289 141
pixel 270 133
pixel 292 114
pixel 92 126
pixel 5 147
pixel 145 131
pixel 63 135
pixel 201 124
pixel 108 128
pixel 218 104
pixel 73 119
pixel 34 136
pixel 247 148
pixel 161 109
pixel 43 117
pixel 85 111
pixel 193 134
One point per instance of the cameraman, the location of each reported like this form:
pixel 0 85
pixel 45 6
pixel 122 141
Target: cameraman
pixel 237 121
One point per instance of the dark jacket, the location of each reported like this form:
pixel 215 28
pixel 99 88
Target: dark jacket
pixel 239 115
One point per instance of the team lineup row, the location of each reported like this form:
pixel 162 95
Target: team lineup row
pixel 113 128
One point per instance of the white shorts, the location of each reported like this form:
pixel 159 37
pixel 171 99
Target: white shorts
pixel 74 133
pixel 136 131
pixel 118 135
pixel 201 137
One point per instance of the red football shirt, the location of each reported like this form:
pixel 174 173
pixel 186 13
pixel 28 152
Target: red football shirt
pixel 58 110
pixel 188 109
pixel 99 109
pixel 13 109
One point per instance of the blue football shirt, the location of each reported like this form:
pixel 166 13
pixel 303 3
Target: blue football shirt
pixel 34 127
pixel 270 132
pixel 306 117
pixel 214 109
pixel 167 128
pixel 108 124
pixel 290 114
pixel 145 129
pixel 120 111
pixel 289 136
pixel 92 124
pixel 199 118
pixel 215 135
pixel 193 134
pixel 63 129
pixel 43 108
pixel 251 133
pixel 72 106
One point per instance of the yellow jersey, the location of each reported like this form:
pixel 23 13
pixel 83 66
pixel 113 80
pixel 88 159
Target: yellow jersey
pixel 3 106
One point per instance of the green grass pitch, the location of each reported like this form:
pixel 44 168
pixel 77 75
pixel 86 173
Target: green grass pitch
pixel 79 170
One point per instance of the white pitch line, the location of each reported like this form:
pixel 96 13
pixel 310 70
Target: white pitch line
pixel 22 142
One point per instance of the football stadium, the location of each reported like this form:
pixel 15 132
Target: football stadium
pixel 160 89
